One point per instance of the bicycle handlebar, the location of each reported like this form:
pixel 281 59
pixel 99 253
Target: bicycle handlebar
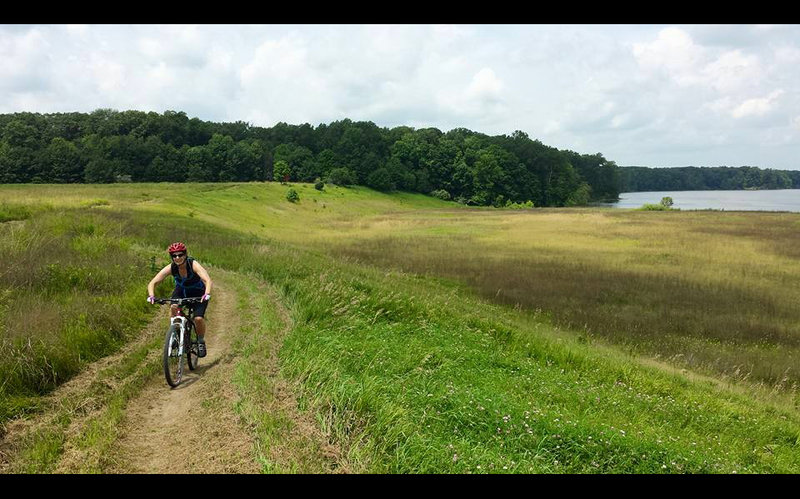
pixel 178 301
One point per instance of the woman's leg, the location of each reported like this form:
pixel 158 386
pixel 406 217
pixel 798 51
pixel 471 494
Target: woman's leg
pixel 200 326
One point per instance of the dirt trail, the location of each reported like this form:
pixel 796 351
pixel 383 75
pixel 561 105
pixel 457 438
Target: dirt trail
pixel 192 428
pixel 196 427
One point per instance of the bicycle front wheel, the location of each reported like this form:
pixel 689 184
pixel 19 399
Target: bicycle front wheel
pixel 173 361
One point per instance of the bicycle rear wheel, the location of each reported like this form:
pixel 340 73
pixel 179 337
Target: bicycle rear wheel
pixel 192 353
pixel 173 363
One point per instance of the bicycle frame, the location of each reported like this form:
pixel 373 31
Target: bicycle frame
pixel 181 321
pixel 181 324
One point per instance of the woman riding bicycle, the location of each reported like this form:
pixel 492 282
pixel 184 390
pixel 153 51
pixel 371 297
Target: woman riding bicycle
pixel 191 280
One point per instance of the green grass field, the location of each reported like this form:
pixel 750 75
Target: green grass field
pixel 435 338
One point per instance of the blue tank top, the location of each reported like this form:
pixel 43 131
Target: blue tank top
pixel 191 281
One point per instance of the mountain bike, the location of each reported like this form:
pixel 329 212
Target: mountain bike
pixel 181 340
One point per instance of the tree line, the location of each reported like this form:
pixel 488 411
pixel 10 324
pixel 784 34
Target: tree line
pixel 692 178
pixel 107 145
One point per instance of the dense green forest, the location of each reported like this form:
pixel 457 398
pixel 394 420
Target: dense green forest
pixel 133 146
pixel 692 178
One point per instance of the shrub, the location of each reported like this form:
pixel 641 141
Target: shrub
pixel 441 194
pixel 519 206
pixel 664 205
pixel 292 195
pixel 319 185
pixel 281 171
pixel 654 207
pixel 342 177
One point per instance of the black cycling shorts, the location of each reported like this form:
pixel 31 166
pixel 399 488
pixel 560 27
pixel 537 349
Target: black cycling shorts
pixel 199 308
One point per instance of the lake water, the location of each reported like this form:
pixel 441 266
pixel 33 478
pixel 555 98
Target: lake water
pixel 777 200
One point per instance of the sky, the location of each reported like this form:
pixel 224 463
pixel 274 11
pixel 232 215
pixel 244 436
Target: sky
pixel 642 95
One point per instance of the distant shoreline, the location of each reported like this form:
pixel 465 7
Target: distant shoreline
pixel 766 200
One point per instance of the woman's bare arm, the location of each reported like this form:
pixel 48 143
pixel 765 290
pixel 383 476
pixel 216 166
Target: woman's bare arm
pixel 151 288
pixel 199 270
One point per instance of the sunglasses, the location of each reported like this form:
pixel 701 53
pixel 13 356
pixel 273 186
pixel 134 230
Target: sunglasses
pixel 178 255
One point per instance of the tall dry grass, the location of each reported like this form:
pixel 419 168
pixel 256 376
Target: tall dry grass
pixel 70 292
pixel 715 291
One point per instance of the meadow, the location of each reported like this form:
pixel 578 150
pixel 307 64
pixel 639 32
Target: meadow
pixel 710 291
pixel 429 337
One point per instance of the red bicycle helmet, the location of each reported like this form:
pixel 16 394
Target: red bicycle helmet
pixel 176 247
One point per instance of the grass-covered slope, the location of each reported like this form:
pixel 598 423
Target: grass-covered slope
pixel 415 373
pixel 70 293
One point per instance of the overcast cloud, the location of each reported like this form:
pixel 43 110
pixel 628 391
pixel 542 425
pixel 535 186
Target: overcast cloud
pixel 641 95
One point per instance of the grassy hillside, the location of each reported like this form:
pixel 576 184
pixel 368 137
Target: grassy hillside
pixel 416 363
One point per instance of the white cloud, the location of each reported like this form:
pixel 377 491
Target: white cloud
pixel 485 85
pixel 26 58
pixel 77 29
pixel 181 46
pixel 732 71
pixel 721 105
pixel 787 55
pixel 149 47
pixel 688 64
pixel 758 106
pixel 280 84
pixel 479 100
pixel 673 53
pixel 108 76
pixel 284 59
